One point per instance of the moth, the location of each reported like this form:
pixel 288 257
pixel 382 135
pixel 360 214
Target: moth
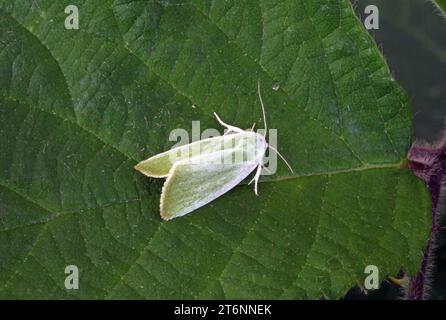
pixel 199 172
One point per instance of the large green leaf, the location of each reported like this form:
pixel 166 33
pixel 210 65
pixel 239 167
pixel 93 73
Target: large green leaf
pixel 79 108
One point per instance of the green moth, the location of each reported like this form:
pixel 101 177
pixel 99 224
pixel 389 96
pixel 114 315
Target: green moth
pixel 200 172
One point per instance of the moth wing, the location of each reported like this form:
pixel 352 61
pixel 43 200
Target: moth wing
pixel 159 165
pixel 191 185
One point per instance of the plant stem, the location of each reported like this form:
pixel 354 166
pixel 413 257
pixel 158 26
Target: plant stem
pixel 429 164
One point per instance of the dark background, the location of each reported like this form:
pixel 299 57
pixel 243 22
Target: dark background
pixel 412 38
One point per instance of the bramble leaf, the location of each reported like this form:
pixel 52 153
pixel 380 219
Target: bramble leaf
pixel 79 108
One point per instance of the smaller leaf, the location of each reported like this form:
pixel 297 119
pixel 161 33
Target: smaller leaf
pixel 441 4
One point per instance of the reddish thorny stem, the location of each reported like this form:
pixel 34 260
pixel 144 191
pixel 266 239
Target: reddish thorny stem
pixel 429 164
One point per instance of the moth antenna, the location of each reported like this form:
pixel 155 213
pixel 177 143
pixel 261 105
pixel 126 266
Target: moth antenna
pixel 282 157
pixel 263 107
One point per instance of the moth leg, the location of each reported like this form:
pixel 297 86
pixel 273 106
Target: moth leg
pixel 256 179
pixel 227 126
pixel 266 169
